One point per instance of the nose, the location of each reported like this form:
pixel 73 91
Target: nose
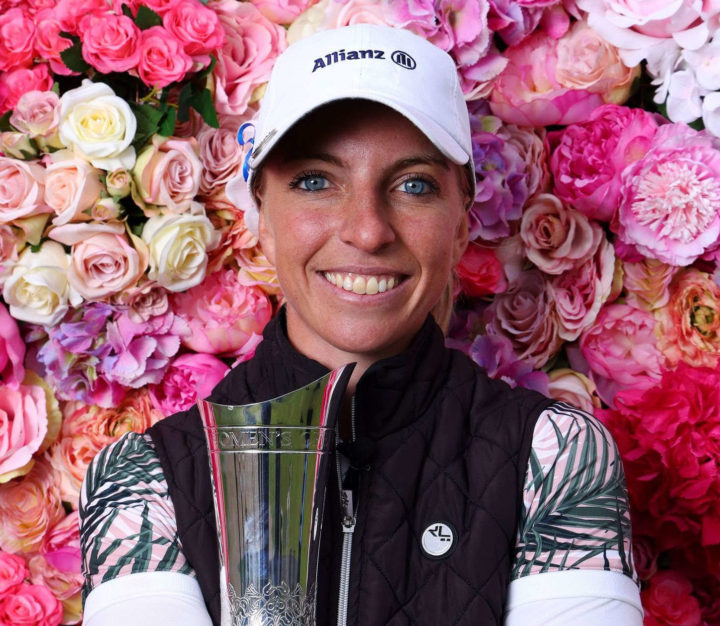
pixel 366 222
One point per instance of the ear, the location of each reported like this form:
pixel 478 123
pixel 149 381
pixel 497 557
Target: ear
pixel 265 230
pixel 461 238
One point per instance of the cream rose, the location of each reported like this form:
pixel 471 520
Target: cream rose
pixel 178 249
pixel 38 290
pixel 103 261
pixel 72 187
pixel 98 126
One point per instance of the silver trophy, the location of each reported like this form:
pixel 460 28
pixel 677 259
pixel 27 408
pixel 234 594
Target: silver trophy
pixel 269 464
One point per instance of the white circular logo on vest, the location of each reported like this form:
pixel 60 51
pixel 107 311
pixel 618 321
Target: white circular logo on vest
pixel 438 539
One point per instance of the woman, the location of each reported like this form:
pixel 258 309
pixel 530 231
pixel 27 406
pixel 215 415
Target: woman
pixel 361 173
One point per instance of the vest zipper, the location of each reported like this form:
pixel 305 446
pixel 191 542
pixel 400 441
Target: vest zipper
pixel 349 518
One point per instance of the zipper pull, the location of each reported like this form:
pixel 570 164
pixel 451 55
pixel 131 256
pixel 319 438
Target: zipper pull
pixel 348 510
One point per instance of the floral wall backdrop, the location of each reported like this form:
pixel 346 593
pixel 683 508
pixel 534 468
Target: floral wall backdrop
pixel 130 284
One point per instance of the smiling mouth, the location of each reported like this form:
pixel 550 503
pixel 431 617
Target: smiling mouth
pixel 363 284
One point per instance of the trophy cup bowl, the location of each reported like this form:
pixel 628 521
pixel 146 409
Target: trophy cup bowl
pixel 269 464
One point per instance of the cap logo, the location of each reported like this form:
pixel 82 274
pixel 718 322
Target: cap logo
pixel 403 59
pixel 350 55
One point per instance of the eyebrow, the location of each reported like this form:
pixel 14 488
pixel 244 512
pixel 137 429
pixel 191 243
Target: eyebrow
pixel 421 159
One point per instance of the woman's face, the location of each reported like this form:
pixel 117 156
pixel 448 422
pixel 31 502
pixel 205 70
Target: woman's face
pixel 364 219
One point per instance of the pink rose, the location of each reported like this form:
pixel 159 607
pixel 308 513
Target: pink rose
pixel 21 189
pixel 574 388
pixel 557 239
pixel 221 156
pixel 15 83
pixel 23 426
pixel 72 187
pixel 252 43
pixel 224 316
pixel 668 601
pixel 189 377
pixel 159 6
pixel 480 272
pixel 70 12
pixel 13 571
pixel 588 158
pixel 31 605
pixel 87 429
pixel 162 58
pixel 579 293
pixel 528 93
pixel 167 175
pixel 670 200
pixel 10 244
pixel 58 567
pixel 17 36
pixel 28 508
pixel 688 327
pixel 111 43
pixel 282 11
pixel 37 113
pixel 256 270
pixel 646 283
pixel 102 260
pixel 621 350
pixel 48 41
pixel 530 145
pixel 525 315
pixel 143 301
pixel 197 28
pixel 12 351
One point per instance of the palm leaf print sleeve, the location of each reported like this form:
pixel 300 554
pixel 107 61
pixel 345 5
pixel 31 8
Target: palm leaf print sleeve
pixel 127 520
pixel 575 508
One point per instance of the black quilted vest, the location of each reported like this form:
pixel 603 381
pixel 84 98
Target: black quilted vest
pixel 450 446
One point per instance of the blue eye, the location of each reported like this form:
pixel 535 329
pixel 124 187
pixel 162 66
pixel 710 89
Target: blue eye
pixel 416 186
pixel 312 182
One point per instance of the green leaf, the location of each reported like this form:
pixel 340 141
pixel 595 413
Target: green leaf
pixel 148 121
pixel 5 122
pixel 73 59
pixel 127 11
pixel 147 18
pixel 167 126
pixel 206 71
pixel 203 104
pixel 184 98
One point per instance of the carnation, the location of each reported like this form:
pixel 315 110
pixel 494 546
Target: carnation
pixel 670 198
pixel 224 316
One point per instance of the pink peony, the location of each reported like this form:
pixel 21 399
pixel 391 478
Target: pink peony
pixel 479 272
pixel 141 352
pixel 557 239
pixel 282 11
pixel 670 202
pixel 525 315
pixel 224 316
pixel 21 189
pixel 28 508
pixel 14 83
pixel 197 28
pixel 588 158
pixel 12 351
pixel 579 293
pixel 17 36
pixel 252 43
pixel 162 58
pixel 621 350
pixel 689 325
pixel 111 43
pixel 167 175
pixel 87 429
pixel 13 571
pixel 190 377
pixel 31 605
pixel 528 93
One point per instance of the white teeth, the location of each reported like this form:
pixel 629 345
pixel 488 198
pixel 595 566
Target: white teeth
pixel 362 285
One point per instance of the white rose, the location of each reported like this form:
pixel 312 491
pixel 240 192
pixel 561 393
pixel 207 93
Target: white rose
pixel 37 290
pixel 98 125
pixel 178 249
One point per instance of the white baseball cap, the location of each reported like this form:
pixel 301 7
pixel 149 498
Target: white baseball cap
pixel 366 61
